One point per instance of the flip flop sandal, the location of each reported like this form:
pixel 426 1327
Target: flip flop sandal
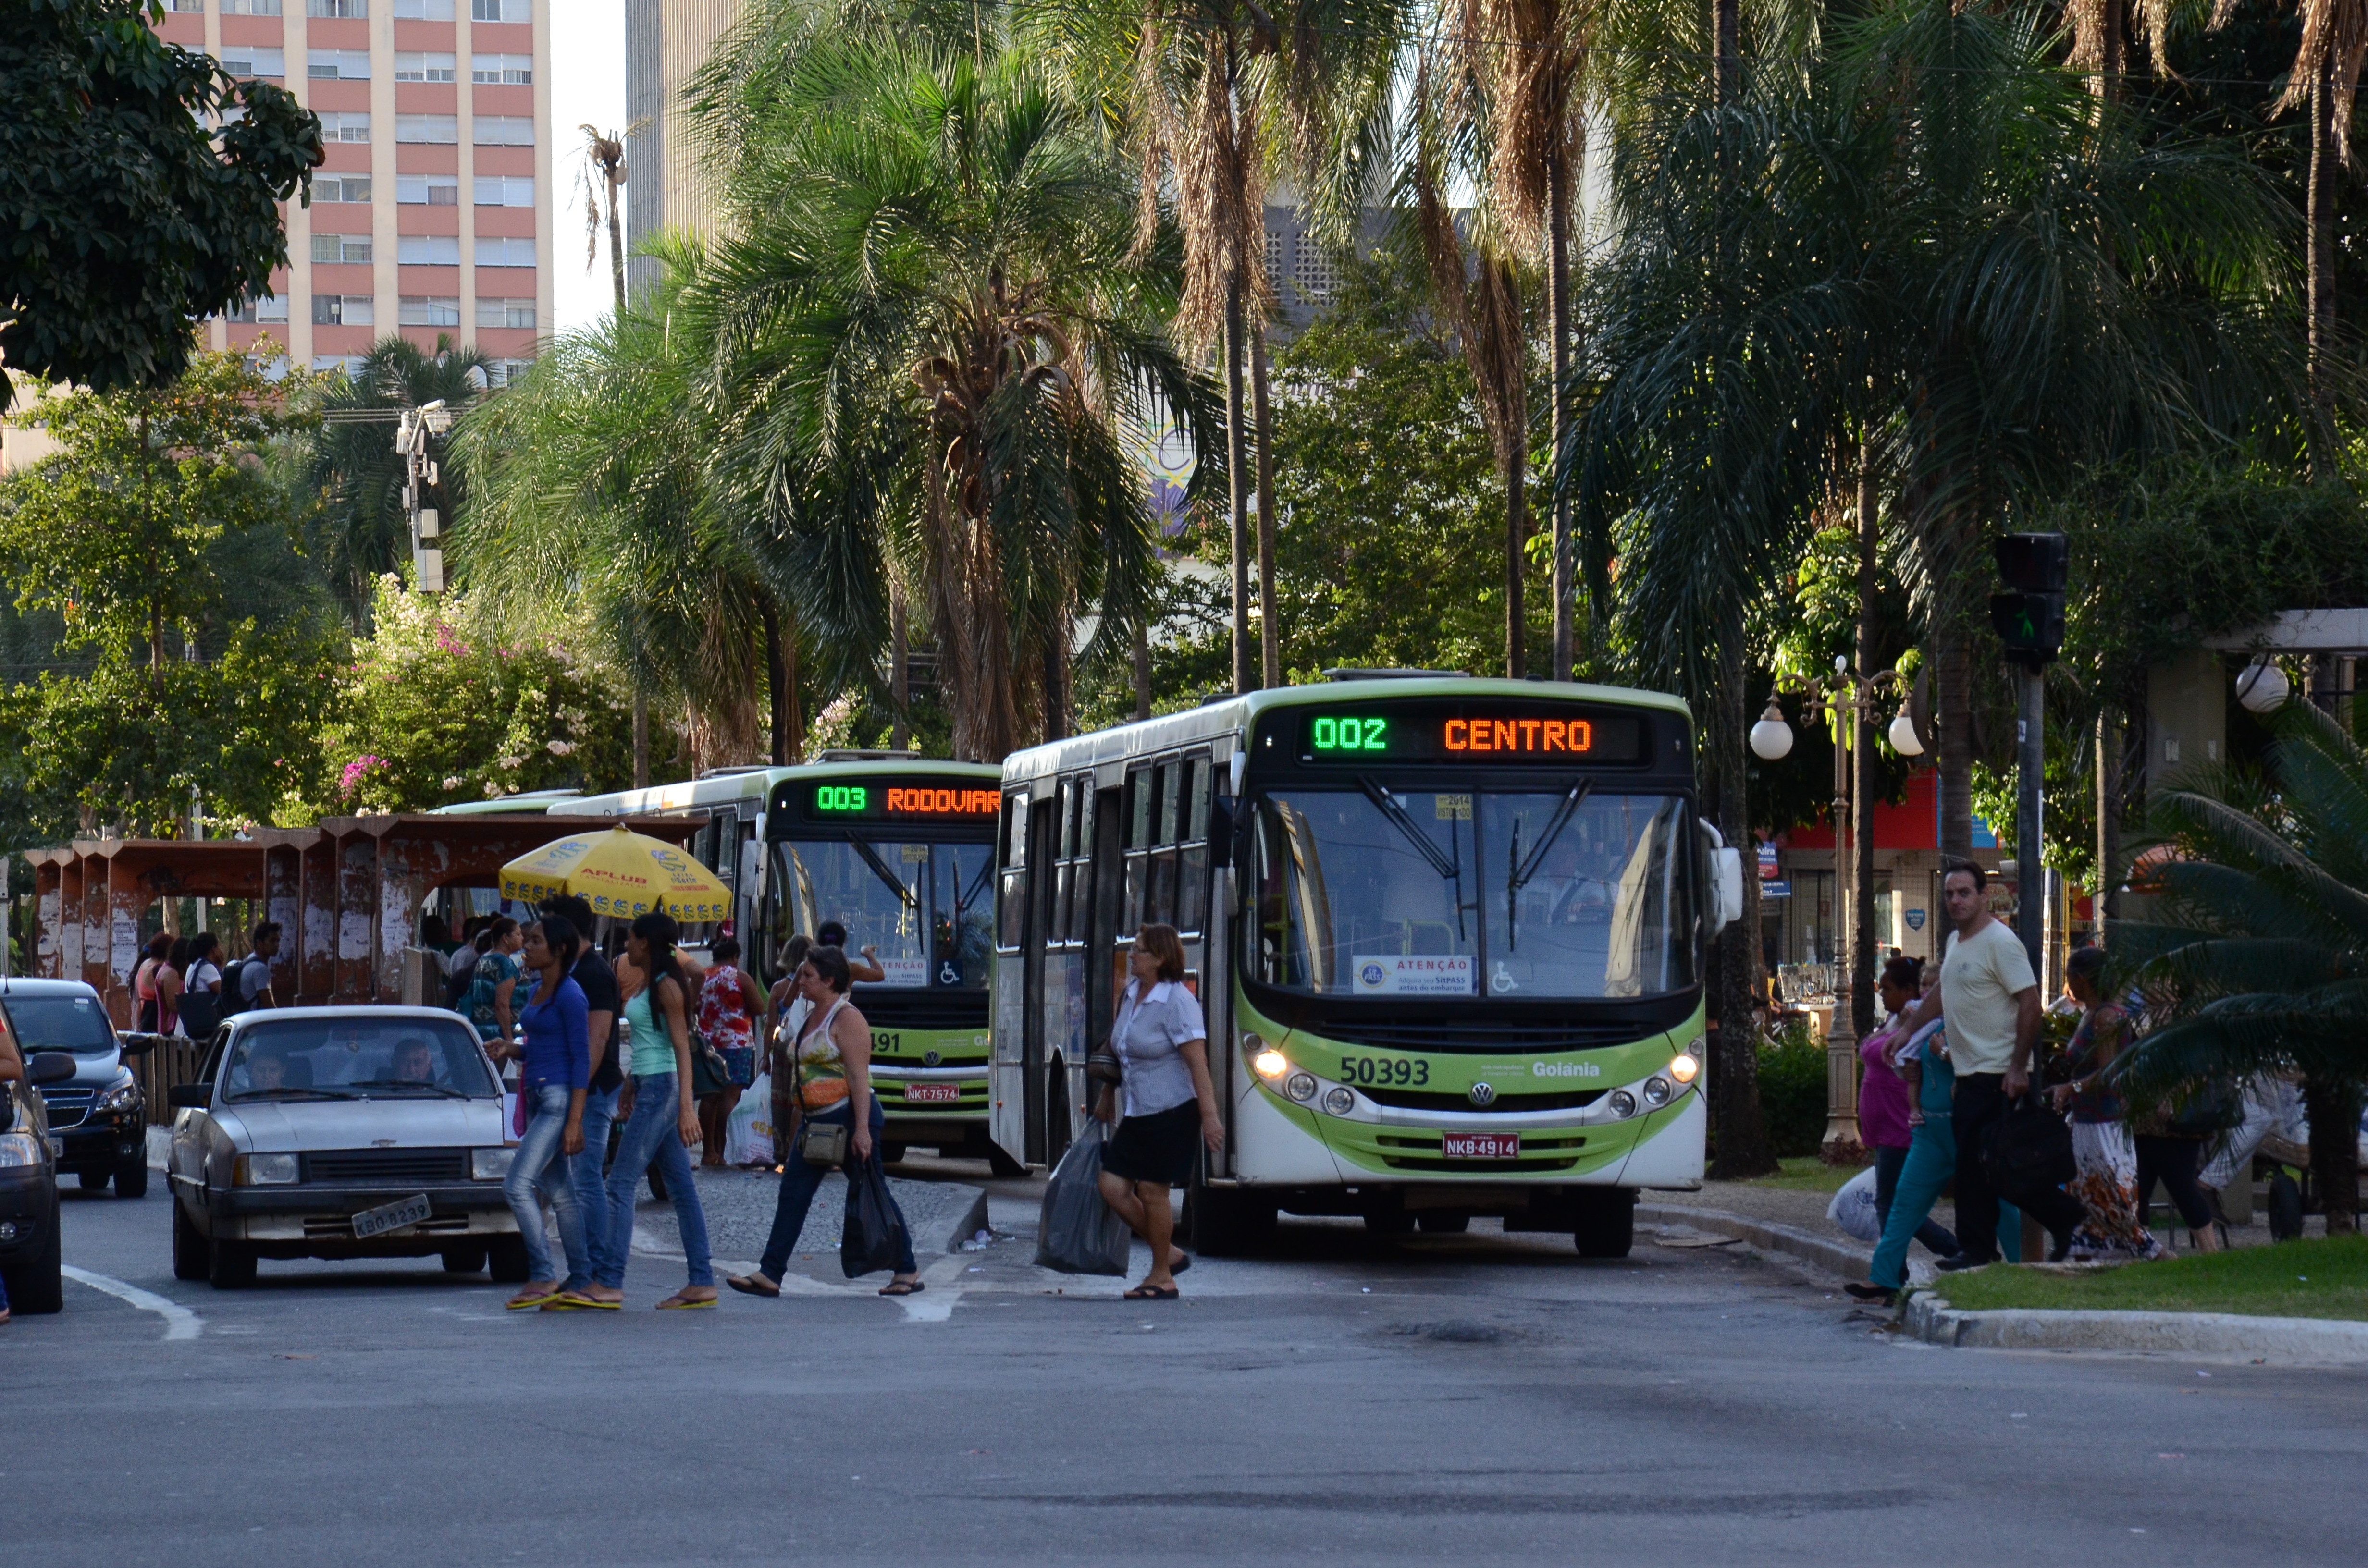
pixel 1151 1293
pixel 748 1285
pixel 903 1288
pixel 524 1303
pixel 677 1303
pixel 1181 1264
pixel 573 1302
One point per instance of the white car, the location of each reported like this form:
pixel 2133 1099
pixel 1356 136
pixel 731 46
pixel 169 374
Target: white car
pixel 341 1133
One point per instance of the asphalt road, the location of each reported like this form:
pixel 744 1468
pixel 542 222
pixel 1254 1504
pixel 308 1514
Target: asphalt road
pixel 1435 1400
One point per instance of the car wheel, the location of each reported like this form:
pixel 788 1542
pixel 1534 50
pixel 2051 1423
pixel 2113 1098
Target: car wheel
pixel 464 1260
pixel 506 1256
pixel 131 1181
pixel 1444 1225
pixel 192 1259
pixel 231 1267
pixel 95 1181
pixel 39 1286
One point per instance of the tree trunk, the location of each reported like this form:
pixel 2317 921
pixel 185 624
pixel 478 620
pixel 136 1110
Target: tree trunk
pixel 1558 311
pixel 1953 696
pixel 2106 895
pixel 641 739
pixel 1735 1046
pixel 900 666
pixel 2333 1103
pixel 2324 162
pixel 1730 51
pixel 1517 539
pixel 1269 620
pixel 616 246
pixel 777 689
pixel 1141 671
pixel 1237 488
pixel 1862 934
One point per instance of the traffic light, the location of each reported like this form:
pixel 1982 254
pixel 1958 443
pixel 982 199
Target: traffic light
pixel 2030 616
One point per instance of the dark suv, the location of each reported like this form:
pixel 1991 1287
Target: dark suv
pixel 99 1118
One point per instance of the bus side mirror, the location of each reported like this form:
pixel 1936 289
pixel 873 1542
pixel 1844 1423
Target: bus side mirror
pixel 1728 862
pixel 1221 829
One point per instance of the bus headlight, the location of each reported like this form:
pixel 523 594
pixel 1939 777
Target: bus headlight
pixel 1682 1067
pixel 1302 1087
pixel 1657 1091
pixel 1269 1062
pixel 1622 1103
pixel 1340 1102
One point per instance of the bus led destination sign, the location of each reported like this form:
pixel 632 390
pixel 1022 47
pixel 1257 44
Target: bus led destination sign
pixel 1469 732
pixel 882 801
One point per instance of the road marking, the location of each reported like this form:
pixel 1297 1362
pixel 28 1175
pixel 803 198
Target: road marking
pixel 180 1322
pixel 931 1306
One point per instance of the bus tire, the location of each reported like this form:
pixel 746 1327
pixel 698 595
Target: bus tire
pixel 1227 1224
pixel 1003 1165
pixel 1390 1222
pixel 1606 1223
pixel 891 1154
pixel 1444 1225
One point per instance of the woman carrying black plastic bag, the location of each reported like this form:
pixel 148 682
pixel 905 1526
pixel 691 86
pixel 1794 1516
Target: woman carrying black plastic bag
pixel 1171 1108
pixel 832 1061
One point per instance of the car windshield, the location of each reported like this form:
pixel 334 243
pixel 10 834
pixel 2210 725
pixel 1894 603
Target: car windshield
pixel 345 1058
pixel 60 1023
pixel 1570 893
pixel 927 908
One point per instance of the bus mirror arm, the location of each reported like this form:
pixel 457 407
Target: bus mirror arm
pixel 1222 828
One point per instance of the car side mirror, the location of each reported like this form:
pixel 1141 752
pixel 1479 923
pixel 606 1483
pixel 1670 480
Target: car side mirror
pixel 190 1096
pixel 136 1044
pixel 50 1067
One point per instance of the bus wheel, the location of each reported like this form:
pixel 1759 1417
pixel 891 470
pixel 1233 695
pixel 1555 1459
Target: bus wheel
pixel 1226 1224
pixel 1001 1164
pixel 1444 1225
pixel 1606 1223
pixel 1390 1222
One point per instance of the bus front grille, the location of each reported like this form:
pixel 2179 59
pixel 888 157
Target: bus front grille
pixel 1461 1105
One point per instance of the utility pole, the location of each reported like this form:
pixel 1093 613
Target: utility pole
pixel 420 475
pixel 2029 618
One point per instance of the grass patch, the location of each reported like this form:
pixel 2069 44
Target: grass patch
pixel 1806 1172
pixel 2323 1278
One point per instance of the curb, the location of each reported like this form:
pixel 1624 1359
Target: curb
pixel 2307 1341
pixel 1837 1259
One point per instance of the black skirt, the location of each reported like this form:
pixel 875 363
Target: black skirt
pixel 1159 1147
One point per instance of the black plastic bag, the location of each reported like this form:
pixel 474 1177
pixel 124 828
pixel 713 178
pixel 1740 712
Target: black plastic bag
pixel 2027 1150
pixel 873 1237
pixel 1078 1231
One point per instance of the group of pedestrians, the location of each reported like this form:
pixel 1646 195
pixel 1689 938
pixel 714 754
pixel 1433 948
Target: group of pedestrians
pixel 1956 1054
pixel 186 985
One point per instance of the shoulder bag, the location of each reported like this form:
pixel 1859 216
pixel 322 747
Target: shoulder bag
pixel 820 1143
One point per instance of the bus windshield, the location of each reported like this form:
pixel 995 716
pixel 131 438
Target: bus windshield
pixel 924 911
pixel 1569 892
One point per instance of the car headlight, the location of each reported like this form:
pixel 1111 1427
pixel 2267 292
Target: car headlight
pixel 19 1149
pixel 1683 1066
pixel 1302 1087
pixel 1622 1103
pixel 491 1164
pixel 264 1170
pixel 1657 1091
pixel 124 1096
pixel 1340 1102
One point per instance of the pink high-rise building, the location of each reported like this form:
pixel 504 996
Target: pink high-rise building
pixel 433 211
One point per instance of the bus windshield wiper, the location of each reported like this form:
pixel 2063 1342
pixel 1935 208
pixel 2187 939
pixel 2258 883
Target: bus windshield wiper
pixel 880 868
pixel 1450 869
pixel 1518 870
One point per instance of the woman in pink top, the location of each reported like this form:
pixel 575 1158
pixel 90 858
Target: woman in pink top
pixel 1883 1100
pixel 731 1014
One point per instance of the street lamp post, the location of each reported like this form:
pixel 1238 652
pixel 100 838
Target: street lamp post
pixel 1847 699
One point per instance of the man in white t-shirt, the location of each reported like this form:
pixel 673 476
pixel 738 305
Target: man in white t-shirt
pixel 1991 1001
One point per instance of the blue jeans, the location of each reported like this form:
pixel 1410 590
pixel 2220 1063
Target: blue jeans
pixel 539 1174
pixel 586 1170
pixel 652 1132
pixel 801 1181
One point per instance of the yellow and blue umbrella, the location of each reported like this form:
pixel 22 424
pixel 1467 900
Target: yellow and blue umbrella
pixel 619 873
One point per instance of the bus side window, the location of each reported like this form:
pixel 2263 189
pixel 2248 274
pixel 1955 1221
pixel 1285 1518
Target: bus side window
pixel 1193 867
pixel 1141 783
pixel 1011 902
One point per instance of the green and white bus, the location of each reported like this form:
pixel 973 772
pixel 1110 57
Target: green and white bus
pixel 1449 933
pixel 900 851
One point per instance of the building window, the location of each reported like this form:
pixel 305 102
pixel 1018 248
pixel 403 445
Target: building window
pixel 505 312
pixel 337 64
pixel 185 5
pixel 247 59
pixel 514 69
pixel 500 251
pixel 410 67
pixel 506 372
pixel 341 188
pixel 343 364
pixel 355 9
pixel 250 8
pixel 505 190
pixel 428 250
pixel 427 128
pixel 270 308
pixel 343 125
pixel 341 309
pixel 429 310
pixel 432 190
pixel 348 250
pixel 502 130
pixel 423 10
pixel 501 10
pixel 1316 275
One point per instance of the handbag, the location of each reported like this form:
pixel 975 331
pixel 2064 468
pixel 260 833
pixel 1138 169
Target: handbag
pixel 2027 1149
pixel 709 1075
pixel 820 1143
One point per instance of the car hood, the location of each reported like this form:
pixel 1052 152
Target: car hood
pixel 93 1070
pixel 303 1126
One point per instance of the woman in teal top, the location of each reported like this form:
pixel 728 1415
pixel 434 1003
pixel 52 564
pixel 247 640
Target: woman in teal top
pixel 663 1124
pixel 1931 1165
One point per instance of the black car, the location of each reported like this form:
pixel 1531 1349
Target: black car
pixel 98 1117
pixel 29 1189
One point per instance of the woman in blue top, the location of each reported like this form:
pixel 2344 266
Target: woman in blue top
pixel 557 1057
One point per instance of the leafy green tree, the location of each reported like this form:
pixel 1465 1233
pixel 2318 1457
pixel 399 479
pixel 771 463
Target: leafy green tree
pixel 139 184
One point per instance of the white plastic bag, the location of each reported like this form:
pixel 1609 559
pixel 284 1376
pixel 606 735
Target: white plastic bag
pixel 749 1134
pixel 1852 1209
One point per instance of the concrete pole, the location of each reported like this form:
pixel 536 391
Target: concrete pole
pixel 1840 1145
pixel 2031 875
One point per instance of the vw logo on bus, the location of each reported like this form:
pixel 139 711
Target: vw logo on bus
pixel 1483 1094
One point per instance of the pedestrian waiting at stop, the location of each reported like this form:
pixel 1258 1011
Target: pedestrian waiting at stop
pixel 555 1056
pixel 201 983
pixel 731 1019
pixel 1886 1117
pixel 1171 1110
pixel 867 969
pixel 156 986
pixel 832 1059
pixel 493 979
pixel 662 1128
pixel 2107 1185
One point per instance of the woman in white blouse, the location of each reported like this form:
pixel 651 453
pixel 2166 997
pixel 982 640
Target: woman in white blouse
pixel 1171 1110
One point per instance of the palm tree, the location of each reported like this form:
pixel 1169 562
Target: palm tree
pixel 928 332
pixel 361 528
pixel 2253 945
